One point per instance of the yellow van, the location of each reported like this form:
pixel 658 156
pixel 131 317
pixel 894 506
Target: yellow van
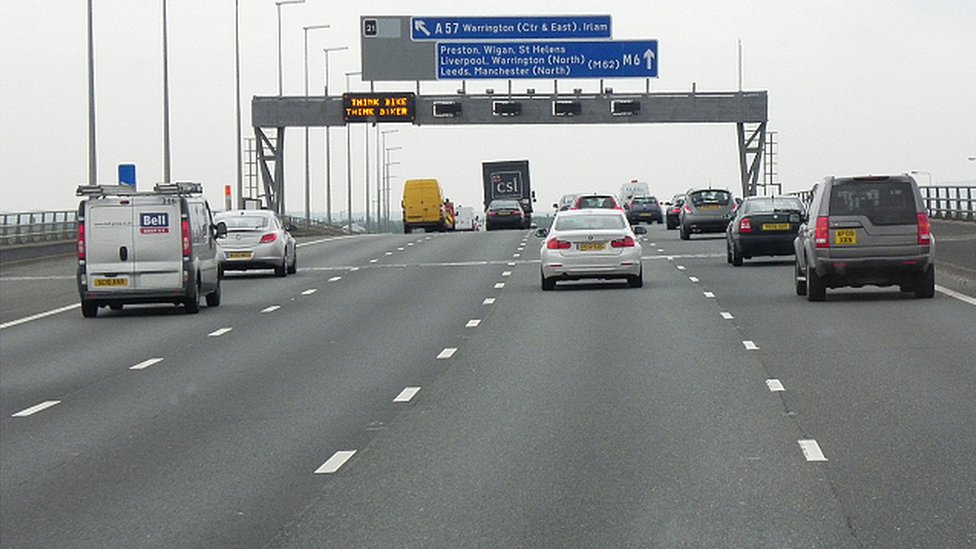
pixel 423 205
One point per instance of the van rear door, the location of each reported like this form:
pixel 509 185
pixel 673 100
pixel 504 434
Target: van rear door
pixel 108 242
pixel 157 258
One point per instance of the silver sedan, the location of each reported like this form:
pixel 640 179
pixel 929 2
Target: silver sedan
pixel 256 239
pixel 597 243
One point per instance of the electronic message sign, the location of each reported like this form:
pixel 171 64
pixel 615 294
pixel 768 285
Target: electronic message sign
pixel 379 107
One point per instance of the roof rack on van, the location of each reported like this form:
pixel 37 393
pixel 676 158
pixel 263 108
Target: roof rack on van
pixel 179 187
pixel 103 190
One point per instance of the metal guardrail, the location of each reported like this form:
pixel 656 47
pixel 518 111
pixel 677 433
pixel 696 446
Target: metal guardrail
pixel 38 227
pixel 942 201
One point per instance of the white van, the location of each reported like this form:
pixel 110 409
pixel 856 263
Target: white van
pixel 146 247
pixel 465 219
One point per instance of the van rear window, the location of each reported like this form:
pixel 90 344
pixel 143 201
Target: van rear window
pixel 882 202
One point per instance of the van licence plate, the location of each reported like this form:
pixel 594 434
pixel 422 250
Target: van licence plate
pixel 845 237
pixel 115 282
pixel 592 246
pixel 776 226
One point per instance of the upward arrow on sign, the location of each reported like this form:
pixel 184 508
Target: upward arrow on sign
pixel 649 58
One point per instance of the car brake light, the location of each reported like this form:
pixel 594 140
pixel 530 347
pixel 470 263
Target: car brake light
pixel 268 238
pixel 687 208
pixel 185 230
pixel 924 230
pixel 745 226
pixel 556 244
pixel 81 240
pixel 821 236
pixel 492 214
pixel 625 242
pixel 517 214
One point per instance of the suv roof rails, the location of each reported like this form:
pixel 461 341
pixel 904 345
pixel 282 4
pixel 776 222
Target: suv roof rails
pixel 178 187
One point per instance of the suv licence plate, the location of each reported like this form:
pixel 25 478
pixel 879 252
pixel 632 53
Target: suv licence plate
pixel 591 246
pixel 844 237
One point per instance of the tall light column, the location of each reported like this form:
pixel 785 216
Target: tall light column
pixel 278 5
pixel 349 160
pixel 308 203
pixel 328 144
pixel 381 178
pixel 386 185
pixel 166 171
pixel 92 157
pixel 237 95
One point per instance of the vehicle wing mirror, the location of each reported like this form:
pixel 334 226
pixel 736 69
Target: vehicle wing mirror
pixel 640 229
pixel 220 230
pixel 542 233
pixel 555 206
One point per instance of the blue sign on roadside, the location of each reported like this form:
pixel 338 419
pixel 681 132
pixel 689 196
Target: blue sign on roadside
pixel 504 60
pixel 127 174
pixel 509 28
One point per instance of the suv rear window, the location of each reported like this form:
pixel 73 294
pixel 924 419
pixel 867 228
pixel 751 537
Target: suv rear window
pixel 700 198
pixel 882 202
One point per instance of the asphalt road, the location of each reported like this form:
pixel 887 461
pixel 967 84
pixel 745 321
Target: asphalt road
pixel 594 415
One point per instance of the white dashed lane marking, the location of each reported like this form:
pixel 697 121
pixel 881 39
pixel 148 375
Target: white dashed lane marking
pixel 407 394
pixel 499 285
pixel 681 267
pixel 726 316
pixel 693 278
pixel 145 364
pixel 37 408
pixel 775 385
pixel 373 260
pixel 446 353
pixel 473 323
pixel 488 301
pixel 309 291
pixel 220 332
pixel 708 295
pixel 811 450
pixel 750 346
pixel 333 464
pixel 335 279
pixel 507 273
pixel 271 309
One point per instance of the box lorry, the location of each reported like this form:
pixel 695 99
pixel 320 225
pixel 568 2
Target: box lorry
pixel 509 180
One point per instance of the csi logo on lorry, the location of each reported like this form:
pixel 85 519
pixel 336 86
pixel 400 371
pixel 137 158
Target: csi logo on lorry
pixel 506 183
pixel 153 223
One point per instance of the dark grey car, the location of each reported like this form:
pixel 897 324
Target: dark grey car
pixel 871 230
pixel 705 211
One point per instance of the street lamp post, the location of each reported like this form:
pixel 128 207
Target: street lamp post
pixel 278 5
pixel 166 164
pixel 237 95
pixel 92 158
pixel 308 203
pixel 381 178
pixel 328 147
pixel 389 176
pixel 386 183
pixel 349 159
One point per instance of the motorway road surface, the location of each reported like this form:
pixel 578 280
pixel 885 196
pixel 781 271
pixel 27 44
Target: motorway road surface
pixel 420 390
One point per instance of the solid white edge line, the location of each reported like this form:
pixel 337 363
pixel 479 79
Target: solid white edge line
pixel 811 450
pixel 333 464
pixel 219 332
pixel 775 385
pixel 407 394
pixel 146 363
pixel 726 316
pixel 473 323
pixel 37 408
pixel 39 315
pixel 750 345
pixel 952 293
pixel 446 353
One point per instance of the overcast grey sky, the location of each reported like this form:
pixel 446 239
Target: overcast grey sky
pixel 854 87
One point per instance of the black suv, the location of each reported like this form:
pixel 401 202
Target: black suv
pixel 870 230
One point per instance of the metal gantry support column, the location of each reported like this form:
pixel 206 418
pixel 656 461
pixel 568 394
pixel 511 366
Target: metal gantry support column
pixel 750 155
pixel 272 152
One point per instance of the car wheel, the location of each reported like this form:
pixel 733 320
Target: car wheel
pixel 192 301
pixel 728 252
pixel 220 272
pixel 281 270
pixel 636 281
pixel 293 268
pixel 685 233
pixel 736 256
pixel 799 280
pixel 816 290
pixel 89 309
pixel 548 283
pixel 213 298
pixel 925 285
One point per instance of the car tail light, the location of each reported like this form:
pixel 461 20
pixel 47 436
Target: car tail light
pixel 185 230
pixel 625 242
pixel 492 214
pixel 687 208
pixel 517 214
pixel 745 225
pixel 556 244
pixel 924 230
pixel 81 240
pixel 821 236
pixel 268 238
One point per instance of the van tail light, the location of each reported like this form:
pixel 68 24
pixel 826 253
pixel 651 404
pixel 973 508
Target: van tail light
pixel 185 230
pixel 81 240
pixel 625 242
pixel 745 225
pixel 268 238
pixel 556 244
pixel 821 235
pixel 924 230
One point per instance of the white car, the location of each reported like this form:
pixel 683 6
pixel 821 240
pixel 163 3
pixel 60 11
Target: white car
pixel 591 243
pixel 256 239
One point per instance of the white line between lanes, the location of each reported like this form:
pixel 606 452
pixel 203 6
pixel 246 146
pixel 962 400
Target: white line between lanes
pixel 750 346
pixel 400 249
pixel 499 285
pixel 220 332
pixel 952 293
pixel 488 301
pixel 407 394
pixel 271 309
pixel 811 450
pixel 693 278
pixel 333 464
pixel 37 408
pixel 447 353
pixel 511 263
pixel 681 267
pixel 775 385
pixel 726 316
pixel 309 291
pixel 708 295
pixel 473 323
pixel 507 273
pixel 335 279
pixel 39 315
pixel 373 260
pixel 516 255
pixel 145 364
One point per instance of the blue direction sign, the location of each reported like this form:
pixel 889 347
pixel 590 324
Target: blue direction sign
pixel 504 60
pixel 509 28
